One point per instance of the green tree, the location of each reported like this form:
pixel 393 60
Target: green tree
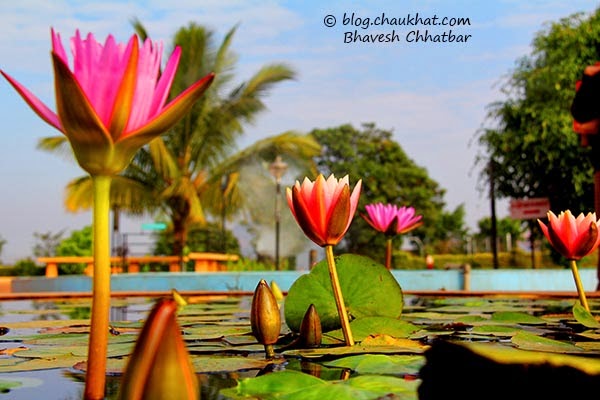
pixel 504 226
pixel 79 243
pixel 203 238
pixel 388 176
pixel 194 169
pixel 529 148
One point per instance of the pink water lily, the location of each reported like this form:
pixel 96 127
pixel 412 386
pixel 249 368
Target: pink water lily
pixel 112 100
pixel 391 219
pixel 324 208
pixel 109 104
pixel 572 237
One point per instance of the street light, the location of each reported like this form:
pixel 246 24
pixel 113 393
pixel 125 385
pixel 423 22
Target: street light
pixel 277 169
pixel 224 186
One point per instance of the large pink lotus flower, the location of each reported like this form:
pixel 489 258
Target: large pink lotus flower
pixel 324 208
pixel 112 101
pixel 391 219
pixel 572 237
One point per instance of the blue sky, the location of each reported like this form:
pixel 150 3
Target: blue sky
pixel 432 95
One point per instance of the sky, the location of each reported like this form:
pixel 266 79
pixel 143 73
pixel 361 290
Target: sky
pixel 432 94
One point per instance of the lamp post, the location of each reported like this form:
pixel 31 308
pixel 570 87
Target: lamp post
pixel 277 169
pixel 224 186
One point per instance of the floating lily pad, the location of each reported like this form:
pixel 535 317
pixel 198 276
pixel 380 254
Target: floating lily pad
pixel 380 364
pixel 6 386
pixel 495 330
pixel 412 347
pixel 368 288
pixel 364 327
pixel 511 317
pixel 18 382
pixel 296 385
pixel 529 341
pixel 584 317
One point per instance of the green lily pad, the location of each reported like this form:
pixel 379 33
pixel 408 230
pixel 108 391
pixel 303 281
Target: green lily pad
pixel 368 288
pixel 511 317
pixel 584 317
pixel 363 327
pixel 342 351
pixel 6 386
pixel 32 364
pixel 280 383
pixel 529 341
pixel 296 385
pixel 18 382
pixel 381 364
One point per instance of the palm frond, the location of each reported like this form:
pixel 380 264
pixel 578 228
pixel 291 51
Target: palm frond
pixel 245 101
pixel 58 145
pixel 163 161
pixel 295 147
pixel 139 29
pixel 128 195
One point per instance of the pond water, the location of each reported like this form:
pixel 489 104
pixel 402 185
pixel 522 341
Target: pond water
pixel 27 318
pixel 46 334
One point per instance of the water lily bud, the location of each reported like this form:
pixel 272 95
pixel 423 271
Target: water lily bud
pixel 160 366
pixel 276 291
pixel 310 328
pixel 179 299
pixel 265 319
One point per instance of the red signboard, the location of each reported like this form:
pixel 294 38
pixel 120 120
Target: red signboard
pixel 532 208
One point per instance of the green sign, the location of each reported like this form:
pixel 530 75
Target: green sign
pixel 154 226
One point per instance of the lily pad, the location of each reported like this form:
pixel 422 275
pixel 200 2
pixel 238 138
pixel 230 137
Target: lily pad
pixel 18 382
pixel 584 317
pixel 368 288
pixel 529 341
pixel 410 347
pixel 511 317
pixel 381 364
pixel 296 385
pixel 364 327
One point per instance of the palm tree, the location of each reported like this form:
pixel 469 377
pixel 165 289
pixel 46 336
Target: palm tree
pixel 195 167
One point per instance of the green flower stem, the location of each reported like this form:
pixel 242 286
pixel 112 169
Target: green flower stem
pixel 582 298
pixel 98 343
pixel 388 253
pixel 339 299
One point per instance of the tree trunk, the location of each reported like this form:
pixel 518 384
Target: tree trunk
pixel 179 238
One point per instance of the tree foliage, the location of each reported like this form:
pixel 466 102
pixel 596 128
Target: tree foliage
pixel 46 243
pixel 529 147
pixel 388 176
pixel 79 243
pixel 504 226
pixel 209 237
